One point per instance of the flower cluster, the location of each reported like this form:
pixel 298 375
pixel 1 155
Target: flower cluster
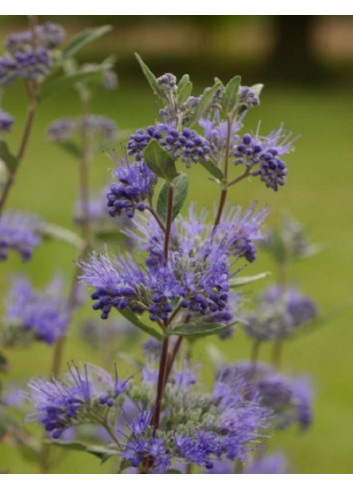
pixel 261 156
pixel 18 232
pixel 48 36
pixel 248 98
pixel 100 128
pixel 135 187
pixel 196 278
pixel 83 397
pixel 279 313
pixel 30 58
pixel 210 430
pixel 187 144
pixel 289 242
pixel 6 122
pixel 26 65
pixel 44 315
pixel 198 427
pixel 289 399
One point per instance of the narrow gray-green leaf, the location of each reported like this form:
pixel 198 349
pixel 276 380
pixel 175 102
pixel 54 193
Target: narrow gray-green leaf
pixel 130 316
pixel 238 282
pixel 52 231
pixel 183 81
pixel 124 464
pixel 180 184
pixel 152 80
pixel 230 95
pixel 184 93
pixel 212 168
pixel 7 157
pixel 102 452
pixel 160 161
pixel 83 38
pixel 204 103
pixel 52 88
pixel 197 329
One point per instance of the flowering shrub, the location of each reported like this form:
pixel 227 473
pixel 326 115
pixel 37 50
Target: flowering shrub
pixel 177 277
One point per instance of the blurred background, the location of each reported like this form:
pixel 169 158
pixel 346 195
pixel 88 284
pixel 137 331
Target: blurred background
pixel 306 63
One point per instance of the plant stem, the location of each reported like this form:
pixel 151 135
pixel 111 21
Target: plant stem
pixel 32 95
pixel 12 173
pixel 168 225
pixel 223 195
pixel 155 215
pixel 111 433
pixel 173 356
pixel 238 466
pixel 83 173
pixel 277 353
pixel 163 362
pixel 239 178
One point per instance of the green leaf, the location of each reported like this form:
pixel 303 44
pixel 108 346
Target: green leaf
pixel 180 184
pixel 213 169
pixel 109 235
pixel 130 316
pixel 184 93
pixel 102 452
pixel 197 329
pixel 125 464
pixel 182 82
pixel 173 471
pixel 204 103
pixel 238 282
pixel 7 157
pixel 52 231
pixel 160 161
pixel 152 80
pixel 66 81
pixel 216 356
pixel 230 95
pixel 83 38
pixel 70 148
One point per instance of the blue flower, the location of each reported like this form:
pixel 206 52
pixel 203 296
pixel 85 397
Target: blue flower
pixel 263 154
pixel 101 129
pixel 6 122
pixel 279 312
pixel 77 400
pixel 18 232
pixel 44 314
pixel 187 144
pixel 135 187
pixel 27 65
pixel 48 35
pixel 289 400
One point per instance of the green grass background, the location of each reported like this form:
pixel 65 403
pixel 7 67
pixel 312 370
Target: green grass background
pixel 318 193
